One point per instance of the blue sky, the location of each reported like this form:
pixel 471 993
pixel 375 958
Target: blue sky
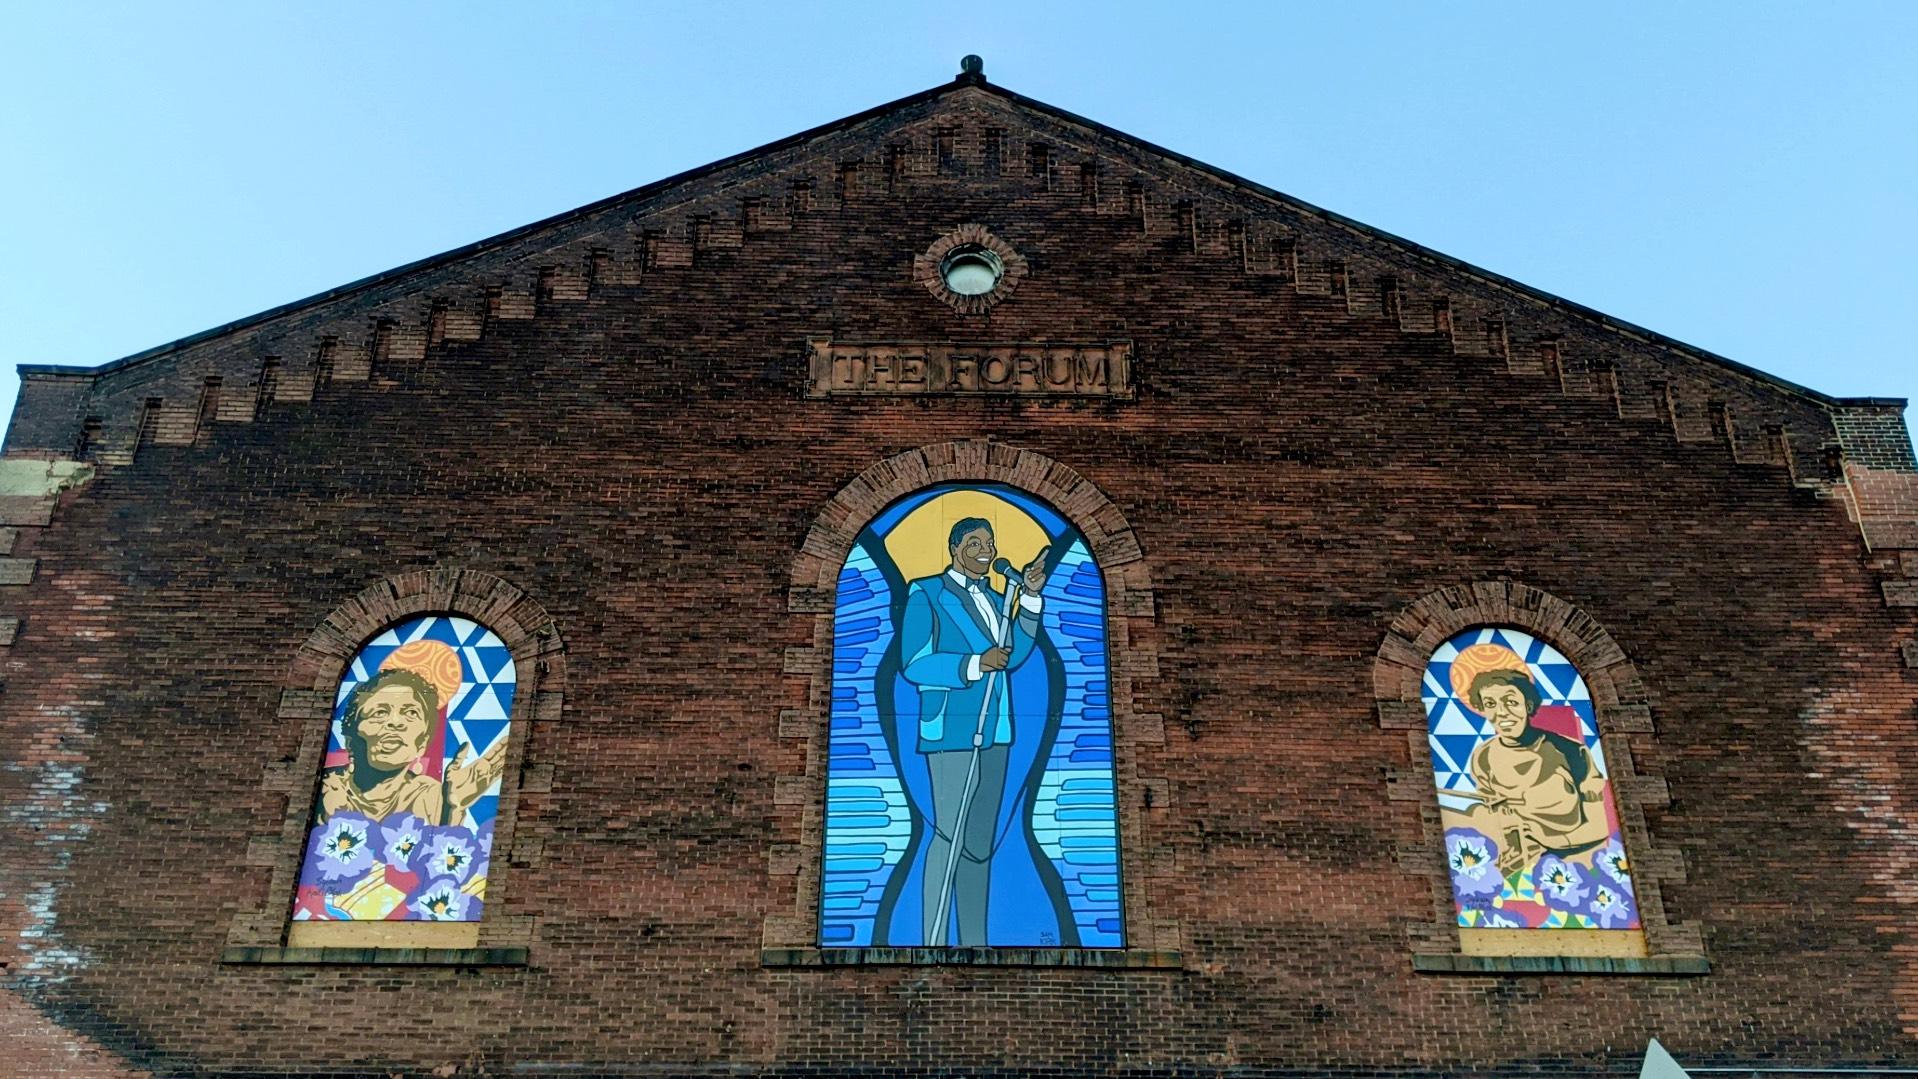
pixel 1740 176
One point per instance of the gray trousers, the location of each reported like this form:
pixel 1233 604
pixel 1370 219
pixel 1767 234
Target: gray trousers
pixel 972 876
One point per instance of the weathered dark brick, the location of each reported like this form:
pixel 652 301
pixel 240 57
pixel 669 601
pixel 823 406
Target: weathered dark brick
pixel 610 417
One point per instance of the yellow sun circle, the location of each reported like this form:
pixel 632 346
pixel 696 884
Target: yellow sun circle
pixel 917 543
pixel 438 663
pixel 1476 659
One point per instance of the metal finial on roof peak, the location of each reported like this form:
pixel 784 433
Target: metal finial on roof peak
pixel 971 69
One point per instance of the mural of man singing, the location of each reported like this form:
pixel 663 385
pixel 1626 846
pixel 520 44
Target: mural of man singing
pixel 958 650
pixel 921 663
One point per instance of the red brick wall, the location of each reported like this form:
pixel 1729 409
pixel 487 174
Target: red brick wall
pixel 641 460
pixel 34 1047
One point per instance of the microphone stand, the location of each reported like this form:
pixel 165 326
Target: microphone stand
pixel 972 768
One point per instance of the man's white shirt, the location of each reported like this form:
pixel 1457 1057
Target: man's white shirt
pixel 989 613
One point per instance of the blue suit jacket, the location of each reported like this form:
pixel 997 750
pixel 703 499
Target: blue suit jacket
pixel 938 636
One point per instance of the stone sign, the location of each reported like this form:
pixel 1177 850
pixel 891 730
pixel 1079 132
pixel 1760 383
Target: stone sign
pixel 1027 369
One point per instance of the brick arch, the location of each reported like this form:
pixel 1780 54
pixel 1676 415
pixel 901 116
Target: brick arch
pixel 1113 542
pixel 790 931
pixel 521 623
pixel 307 694
pixel 1623 708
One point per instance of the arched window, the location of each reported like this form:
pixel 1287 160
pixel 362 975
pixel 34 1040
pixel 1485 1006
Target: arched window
pixel 970 790
pixel 1532 834
pixel 402 826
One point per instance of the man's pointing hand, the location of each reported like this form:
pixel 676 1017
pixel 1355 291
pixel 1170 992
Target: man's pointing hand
pixel 1034 575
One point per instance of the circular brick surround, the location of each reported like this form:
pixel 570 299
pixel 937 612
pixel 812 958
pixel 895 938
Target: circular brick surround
pixel 928 265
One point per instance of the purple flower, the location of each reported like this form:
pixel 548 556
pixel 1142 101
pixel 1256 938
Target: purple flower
pixel 340 852
pixel 1611 861
pixel 442 901
pixel 1564 885
pixel 1611 907
pixel 448 853
pixel 485 836
pixel 1473 858
pixel 400 839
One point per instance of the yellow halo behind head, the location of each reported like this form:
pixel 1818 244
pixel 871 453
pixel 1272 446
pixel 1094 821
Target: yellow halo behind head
pixel 438 663
pixel 1475 660
pixel 917 543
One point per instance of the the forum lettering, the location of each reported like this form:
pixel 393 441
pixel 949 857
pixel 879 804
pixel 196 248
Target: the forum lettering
pixel 1040 369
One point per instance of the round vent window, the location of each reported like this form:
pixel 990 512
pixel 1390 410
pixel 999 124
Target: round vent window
pixel 971 270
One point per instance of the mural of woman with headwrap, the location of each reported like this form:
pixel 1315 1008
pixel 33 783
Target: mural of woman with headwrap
pixel 402 831
pixel 1532 837
pixel 1539 789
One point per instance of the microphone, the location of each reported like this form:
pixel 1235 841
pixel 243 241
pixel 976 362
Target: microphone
pixel 1014 584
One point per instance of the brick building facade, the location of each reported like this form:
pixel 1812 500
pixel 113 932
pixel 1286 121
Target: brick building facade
pixel 638 442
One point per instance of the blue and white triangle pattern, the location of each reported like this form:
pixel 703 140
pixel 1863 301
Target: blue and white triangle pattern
pixel 479 713
pixel 1453 730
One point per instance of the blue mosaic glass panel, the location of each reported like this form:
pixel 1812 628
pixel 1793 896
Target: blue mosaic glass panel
pixel 1032 807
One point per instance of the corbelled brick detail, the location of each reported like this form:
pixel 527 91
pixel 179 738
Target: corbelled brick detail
pixel 1874 436
pixel 1364 276
pixel 1884 502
